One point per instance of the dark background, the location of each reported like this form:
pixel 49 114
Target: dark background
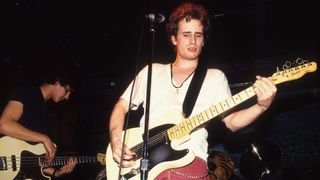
pixel 101 40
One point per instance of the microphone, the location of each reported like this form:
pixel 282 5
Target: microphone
pixel 155 18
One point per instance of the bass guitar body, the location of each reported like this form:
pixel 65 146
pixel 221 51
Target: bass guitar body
pixel 17 155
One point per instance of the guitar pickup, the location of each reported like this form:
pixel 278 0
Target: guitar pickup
pixel 14 163
pixel 3 163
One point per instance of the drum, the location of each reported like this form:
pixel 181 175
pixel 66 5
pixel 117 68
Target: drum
pixel 102 175
pixel 221 166
pixel 260 160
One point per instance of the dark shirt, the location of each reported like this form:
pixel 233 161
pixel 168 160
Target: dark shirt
pixel 34 114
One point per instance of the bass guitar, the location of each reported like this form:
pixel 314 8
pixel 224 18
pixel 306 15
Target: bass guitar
pixel 172 129
pixel 19 156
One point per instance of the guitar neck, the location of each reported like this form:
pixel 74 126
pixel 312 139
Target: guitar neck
pixel 188 125
pixel 60 161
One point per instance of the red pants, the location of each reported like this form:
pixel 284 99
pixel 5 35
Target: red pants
pixel 197 170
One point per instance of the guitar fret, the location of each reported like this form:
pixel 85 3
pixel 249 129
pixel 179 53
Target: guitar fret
pixel 213 111
pixel 230 102
pixel 172 133
pixel 196 121
pixel 177 130
pixel 200 118
pixel 250 91
pixel 185 125
pixel 189 124
pixel 224 105
pixel 207 115
pixel 83 160
pixel 244 96
pixel 182 128
pixel 218 108
pixel 192 122
pixel 203 117
pixel 237 99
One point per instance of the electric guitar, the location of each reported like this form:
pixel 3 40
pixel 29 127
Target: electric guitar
pixel 172 129
pixel 17 155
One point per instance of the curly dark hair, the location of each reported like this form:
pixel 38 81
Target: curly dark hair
pixel 188 11
pixel 63 72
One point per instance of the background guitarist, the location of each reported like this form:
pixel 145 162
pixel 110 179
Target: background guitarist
pixel 25 117
pixel 187 28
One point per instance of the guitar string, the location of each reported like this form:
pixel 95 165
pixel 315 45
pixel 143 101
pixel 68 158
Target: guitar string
pixel 153 140
pixel 29 161
pixel 56 158
pixel 34 160
pixel 58 161
pixel 157 138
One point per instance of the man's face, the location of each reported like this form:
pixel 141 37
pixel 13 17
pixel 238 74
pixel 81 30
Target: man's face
pixel 189 39
pixel 61 92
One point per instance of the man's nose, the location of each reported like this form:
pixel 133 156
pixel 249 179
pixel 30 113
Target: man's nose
pixel 193 39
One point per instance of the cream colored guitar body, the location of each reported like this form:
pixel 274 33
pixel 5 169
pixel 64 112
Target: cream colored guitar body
pixel 176 157
pixel 17 155
pixel 10 153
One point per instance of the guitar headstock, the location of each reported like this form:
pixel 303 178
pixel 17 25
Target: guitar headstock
pixel 293 73
pixel 101 158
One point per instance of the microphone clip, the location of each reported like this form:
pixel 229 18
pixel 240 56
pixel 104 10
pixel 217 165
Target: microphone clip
pixel 155 18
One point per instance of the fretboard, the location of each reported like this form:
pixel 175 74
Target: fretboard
pixel 60 161
pixel 186 126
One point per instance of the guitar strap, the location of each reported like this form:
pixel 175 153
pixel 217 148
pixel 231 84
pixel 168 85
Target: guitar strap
pixel 194 89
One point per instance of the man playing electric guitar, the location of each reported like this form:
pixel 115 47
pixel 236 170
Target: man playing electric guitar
pixel 187 28
pixel 24 116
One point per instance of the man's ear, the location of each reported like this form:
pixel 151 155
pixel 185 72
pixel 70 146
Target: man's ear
pixel 174 40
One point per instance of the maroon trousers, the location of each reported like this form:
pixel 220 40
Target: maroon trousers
pixel 197 170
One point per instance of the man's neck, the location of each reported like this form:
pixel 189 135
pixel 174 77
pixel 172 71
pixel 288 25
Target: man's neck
pixel 181 63
pixel 46 91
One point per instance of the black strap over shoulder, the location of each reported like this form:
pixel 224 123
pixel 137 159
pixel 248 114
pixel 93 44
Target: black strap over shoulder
pixel 194 89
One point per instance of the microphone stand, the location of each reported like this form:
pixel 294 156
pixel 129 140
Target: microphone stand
pixel 144 162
